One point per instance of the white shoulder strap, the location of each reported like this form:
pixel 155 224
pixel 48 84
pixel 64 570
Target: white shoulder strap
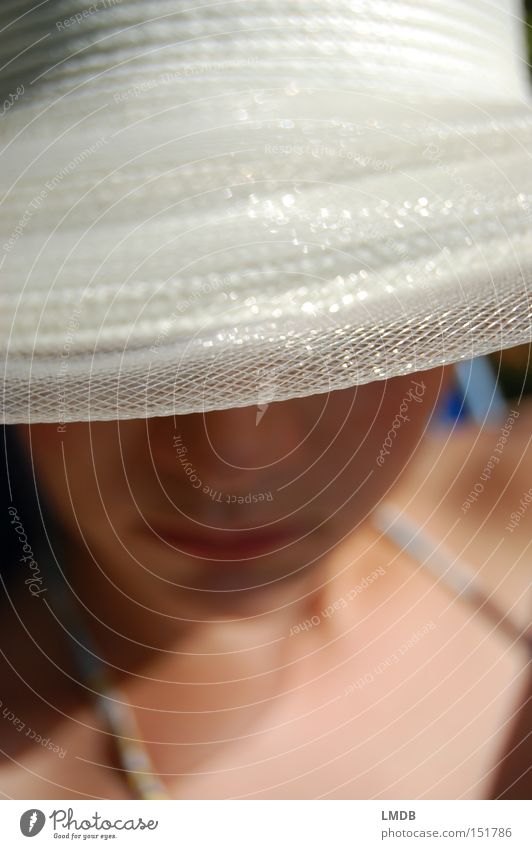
pixel 460 577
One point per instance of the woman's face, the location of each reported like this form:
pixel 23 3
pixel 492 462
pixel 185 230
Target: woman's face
pixel 230 510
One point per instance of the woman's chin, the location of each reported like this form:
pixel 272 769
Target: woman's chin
pixel 225 585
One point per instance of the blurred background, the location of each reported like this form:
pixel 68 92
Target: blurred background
pixel 513 366
pixel 484 387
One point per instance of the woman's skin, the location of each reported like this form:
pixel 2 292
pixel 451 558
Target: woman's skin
pixel 203 552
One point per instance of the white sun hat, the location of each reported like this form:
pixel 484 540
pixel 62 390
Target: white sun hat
pixel 207 204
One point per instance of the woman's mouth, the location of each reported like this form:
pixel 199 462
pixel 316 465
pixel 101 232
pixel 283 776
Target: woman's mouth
pixel 228 545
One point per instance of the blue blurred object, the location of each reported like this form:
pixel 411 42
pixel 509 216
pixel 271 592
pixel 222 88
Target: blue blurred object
pixel 474 397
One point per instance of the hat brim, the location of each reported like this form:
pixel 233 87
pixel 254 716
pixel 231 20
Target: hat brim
pixel 170 274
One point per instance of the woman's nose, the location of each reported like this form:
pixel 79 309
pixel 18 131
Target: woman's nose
pixel 234 448
pixel 255 437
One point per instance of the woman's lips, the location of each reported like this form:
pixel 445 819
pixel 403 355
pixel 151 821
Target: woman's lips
pixel 229 545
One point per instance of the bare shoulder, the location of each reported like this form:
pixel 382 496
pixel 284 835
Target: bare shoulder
pixel 68 761
pixel 49 731
pixel 52 744
pixel 472 489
